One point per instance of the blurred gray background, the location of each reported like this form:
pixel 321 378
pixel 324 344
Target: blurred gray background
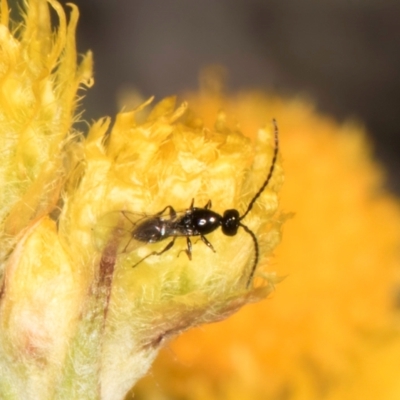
pixel 344 54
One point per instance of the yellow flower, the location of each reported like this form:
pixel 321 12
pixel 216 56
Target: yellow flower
pixel 76 319
pixel 330 330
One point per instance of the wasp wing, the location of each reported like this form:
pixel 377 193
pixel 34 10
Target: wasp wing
pixel 116 228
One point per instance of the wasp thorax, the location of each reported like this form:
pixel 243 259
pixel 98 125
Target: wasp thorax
pixel 230 222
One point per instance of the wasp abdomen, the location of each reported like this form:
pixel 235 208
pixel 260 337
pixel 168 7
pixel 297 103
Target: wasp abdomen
pixel 151 230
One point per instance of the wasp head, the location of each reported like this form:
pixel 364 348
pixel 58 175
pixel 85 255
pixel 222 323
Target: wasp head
pixel 230 222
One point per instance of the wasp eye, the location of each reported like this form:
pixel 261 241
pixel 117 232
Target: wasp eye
pixel 230 222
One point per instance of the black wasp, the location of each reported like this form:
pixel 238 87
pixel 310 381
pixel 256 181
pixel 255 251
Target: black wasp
pixel 132 231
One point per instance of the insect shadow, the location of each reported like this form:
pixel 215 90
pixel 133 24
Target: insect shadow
pixel 131 230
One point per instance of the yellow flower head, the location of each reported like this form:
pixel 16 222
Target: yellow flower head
pixel 39 81
pixel 84 305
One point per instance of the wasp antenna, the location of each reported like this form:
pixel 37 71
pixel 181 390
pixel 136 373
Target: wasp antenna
pixel 256 253
pixel 271 170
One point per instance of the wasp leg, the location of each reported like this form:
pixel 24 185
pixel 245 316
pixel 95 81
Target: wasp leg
pixel 157 253
pixel 204 239
pixel 191 205
pixel 172 212
pixel 188 251
pixel 124 251
pixel 208 205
